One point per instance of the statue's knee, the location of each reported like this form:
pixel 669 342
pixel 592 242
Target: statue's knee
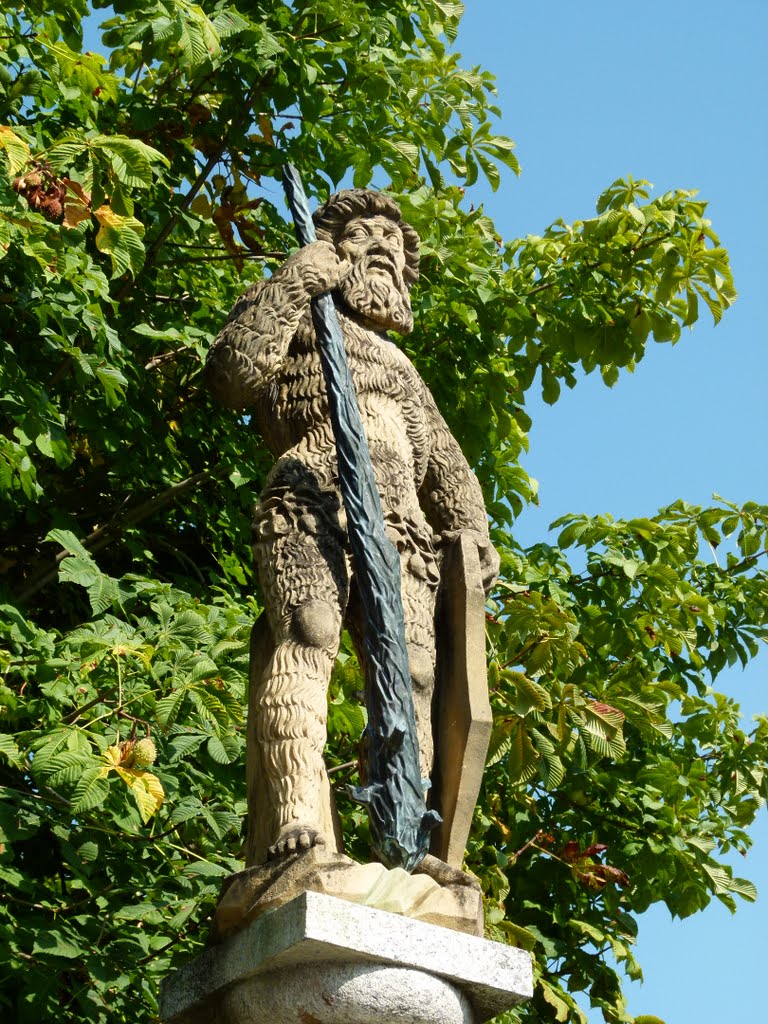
pixel 422 668
pixel 316 624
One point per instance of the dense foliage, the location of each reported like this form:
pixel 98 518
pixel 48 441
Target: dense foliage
pixel 137 197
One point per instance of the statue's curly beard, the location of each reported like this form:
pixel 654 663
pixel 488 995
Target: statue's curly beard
pixel 374 289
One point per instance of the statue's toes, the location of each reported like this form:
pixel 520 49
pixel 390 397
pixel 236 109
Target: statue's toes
pixel 295 840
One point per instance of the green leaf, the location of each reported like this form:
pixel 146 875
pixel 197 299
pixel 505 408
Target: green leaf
pixel 186 810
pixel 53 943
pixel 132 160
pixel 217 750
pixel 522 759
pixel 550 387
pixel 228 23
pixel 205 869
pixel 103 591
pixel 744 888
pixel 66 767
pixel 113 382
pixel 167 710
pixel 91 791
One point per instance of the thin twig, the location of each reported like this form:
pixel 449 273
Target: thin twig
pixel 184 297
pixel 531 842
pixel 172 221
pixel 202 258
pixel 342 767
pixel 166 357
pixel 182 557
pixel 541 288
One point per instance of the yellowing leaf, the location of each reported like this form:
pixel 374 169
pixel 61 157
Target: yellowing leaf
pixel 265 125
pixel 77 204
pixel 16 148
pixel 75 214
pixel 120 237
pixel 113 756
pixel 552 996
pixel 147 790
pixel 201 206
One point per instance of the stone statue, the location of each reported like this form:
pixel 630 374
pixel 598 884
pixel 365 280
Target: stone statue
pixel 304 932
pixel 265 360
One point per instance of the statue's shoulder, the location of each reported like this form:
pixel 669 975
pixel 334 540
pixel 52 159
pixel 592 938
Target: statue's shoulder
pixel 417 381
pixel 248 299
pixel 396 355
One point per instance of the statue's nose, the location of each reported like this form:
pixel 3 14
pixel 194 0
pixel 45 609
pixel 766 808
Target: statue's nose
pixel 386 249
pixel 378 246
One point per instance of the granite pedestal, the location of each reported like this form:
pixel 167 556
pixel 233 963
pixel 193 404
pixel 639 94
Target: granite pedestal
pixel 322 960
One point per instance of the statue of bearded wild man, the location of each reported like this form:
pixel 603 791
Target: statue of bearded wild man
pixel 266 360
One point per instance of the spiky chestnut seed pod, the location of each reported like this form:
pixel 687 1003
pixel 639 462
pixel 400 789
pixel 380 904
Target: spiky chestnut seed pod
pixel 52 209
pixel 27 182
pixel 144 753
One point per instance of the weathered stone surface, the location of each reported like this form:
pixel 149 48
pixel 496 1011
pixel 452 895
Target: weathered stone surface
pixel 330 993
pixel 266 359
pixel 318 948
pixel 463 715
pixel 251 893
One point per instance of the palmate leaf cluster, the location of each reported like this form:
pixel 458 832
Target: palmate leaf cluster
pixel 138 196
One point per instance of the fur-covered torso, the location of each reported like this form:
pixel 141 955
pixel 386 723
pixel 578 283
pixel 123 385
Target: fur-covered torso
pixel 292 414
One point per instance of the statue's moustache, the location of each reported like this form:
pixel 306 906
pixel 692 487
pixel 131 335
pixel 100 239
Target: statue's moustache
pixel 381 261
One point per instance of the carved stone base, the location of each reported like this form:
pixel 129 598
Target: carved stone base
pixel 321 960
pixel 248 894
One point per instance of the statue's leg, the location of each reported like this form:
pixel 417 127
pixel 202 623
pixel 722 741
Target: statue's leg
pixel 305 585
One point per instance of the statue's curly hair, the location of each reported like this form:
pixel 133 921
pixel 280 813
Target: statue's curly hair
pixel 332 216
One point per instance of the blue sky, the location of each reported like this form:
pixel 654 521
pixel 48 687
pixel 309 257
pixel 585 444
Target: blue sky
pixel 674 92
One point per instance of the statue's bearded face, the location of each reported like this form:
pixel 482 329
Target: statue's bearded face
pixel 375 288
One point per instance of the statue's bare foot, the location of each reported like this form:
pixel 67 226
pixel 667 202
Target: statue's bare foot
pixel 295 838
pixel 444 874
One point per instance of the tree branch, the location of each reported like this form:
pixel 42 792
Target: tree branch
pixel 73 716
pixel 187 200
pixel 744 562
pixel 104 535
pixel 541 288
pixel 172 221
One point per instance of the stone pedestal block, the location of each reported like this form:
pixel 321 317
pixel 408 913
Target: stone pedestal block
pixel 257 890
pixel 321 960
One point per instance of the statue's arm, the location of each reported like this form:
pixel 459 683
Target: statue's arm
pixel 252 344
pixel 450 494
